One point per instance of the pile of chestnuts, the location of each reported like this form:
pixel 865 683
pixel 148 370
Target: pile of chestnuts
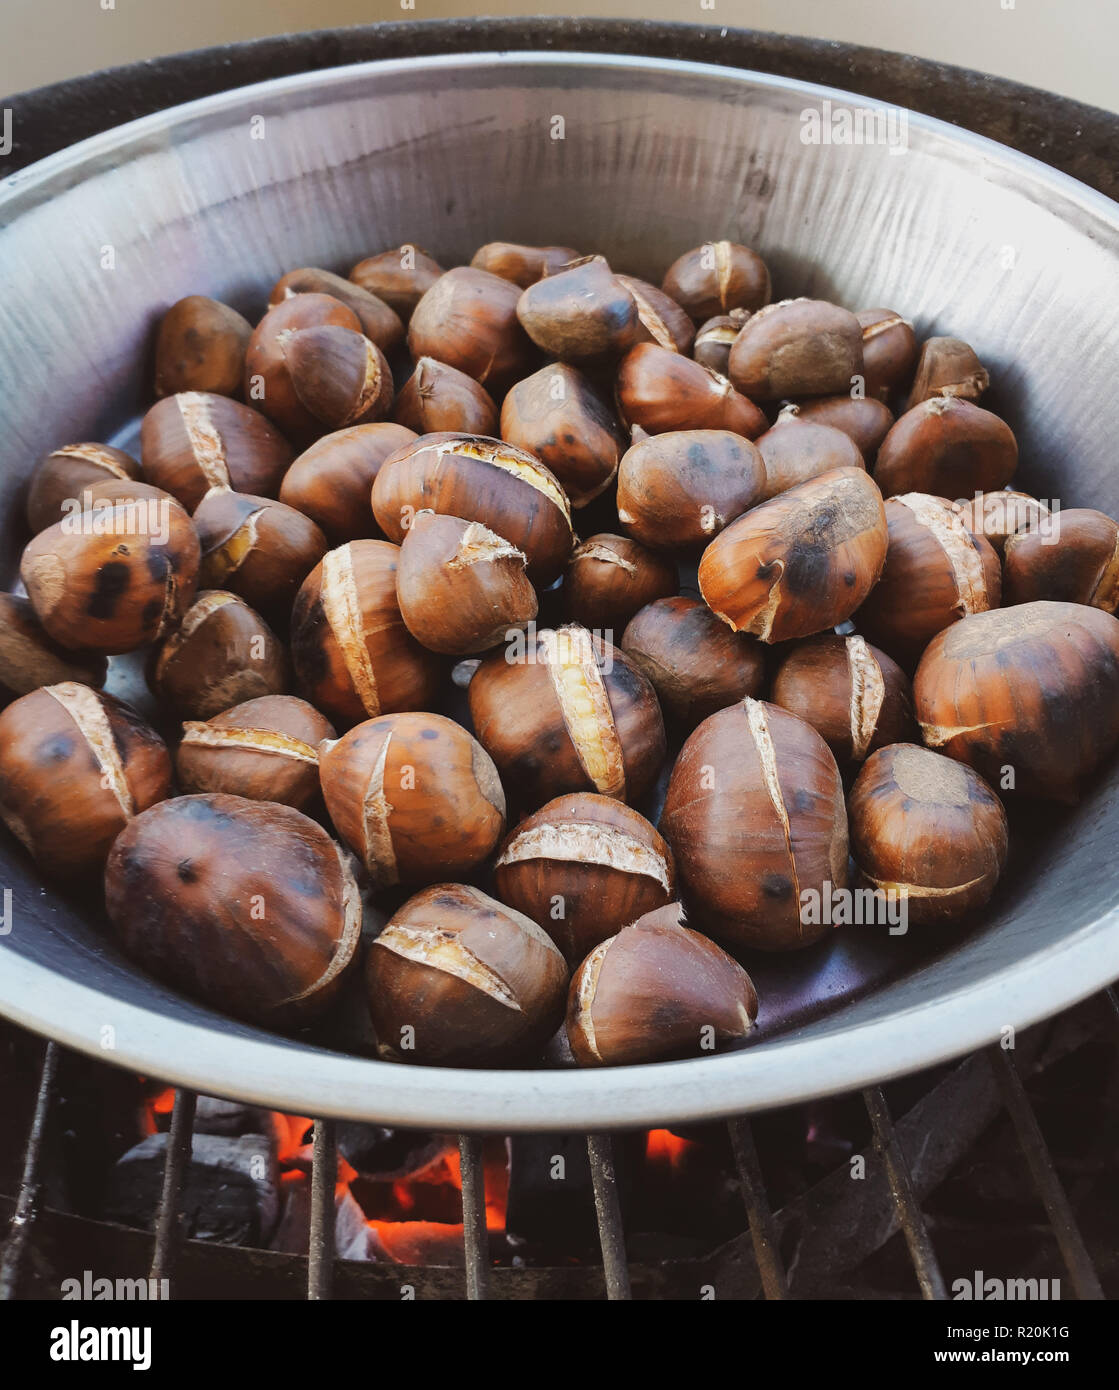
pixel 764 555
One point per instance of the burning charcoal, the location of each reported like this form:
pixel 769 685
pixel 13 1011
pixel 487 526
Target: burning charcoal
pixel 353 1240
pixel 230 1196
pixel 384 1154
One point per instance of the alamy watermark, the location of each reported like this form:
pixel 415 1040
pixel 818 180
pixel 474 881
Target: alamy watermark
pixel 125 516
pixel 829 124
pixel 6 130
pixel 564 646
pixel 830 906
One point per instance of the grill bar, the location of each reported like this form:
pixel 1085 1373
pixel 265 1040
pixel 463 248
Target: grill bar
pixel 763 1229
pixel 608 1212
pixel 1057 1206
pixel 324 1179
pixel 475 1233
pixel 901 1186
pixel 27 1205
pixel 169 1217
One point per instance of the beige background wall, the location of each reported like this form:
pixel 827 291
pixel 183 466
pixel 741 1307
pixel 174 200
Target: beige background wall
pixel 1068 46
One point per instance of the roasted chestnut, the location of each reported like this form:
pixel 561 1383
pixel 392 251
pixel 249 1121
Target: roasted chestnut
pixel 379 322
pixel 713 340
pixel 561 712
pixel 478 479
pixel 557 416
pixel 936 572
pixel 854 696
pixel 997 515
pixel 61 477
pixel 717 277
pixel 581 313
pixel 414 796
pixel 794 450
pixel 755 817
pixel 661 390
pixel 342 378
pixel 107 581
pixel 661 319
pixel 797 347
pixel 353 656
pixel 438 397
pixel 523 265
pixel 458 979
pixel 889 351
pixel 221 654
pixel 468 319
pixel 331 481
pixel 265 749
pixel 201 347
pixel 1028 696
pixel 195 441
pixel 75 765
pixel 866 420
pixel 948 447
pixel 800 563
pixel 461 588
pixel 29 659
pixel 583 867
pixel 610 578
pixel 400 277
pixel 1076 562
pixel 247 905
pixel 694 662
pixel 657 991
pixel 947 367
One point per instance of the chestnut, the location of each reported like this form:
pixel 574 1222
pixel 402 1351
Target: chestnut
pixel 936 572
pixel 755 816
pixel 260 549
pixel 201 347
pixel 998 515
pixel 661 319
pixel 61 476
pixel 264 749
pixel 248 906
pixel 458 979
pixel 342 378
pixel 889 352
pixel 468 319
pixel 438 397
pixel 29 659
pixel 694 662
pixel 656 991
pixel 661 390
pixel 800 563
pixel 562 712
pixel 461 588
pixel 196 441
pixel 928 831
pixel 583 867
pixel 947 367
pixel 854 696
pixel 948 447
pixel 581 313
pixel 610 578
pixel 558 417
pixel 523 265
pixel 797 347
pixel 794 450
pixel 221 654
pixel 478 479
pixel 1079 563
pixel 1028 696
pixel 107 581
pixel 715 337
pixel 75 766
pixel 331 481
pixel 678 490
pixel 866 420
pixel 379 322
pixel 354 658
pixel 717 277
pixel 400 277
pixel 414 796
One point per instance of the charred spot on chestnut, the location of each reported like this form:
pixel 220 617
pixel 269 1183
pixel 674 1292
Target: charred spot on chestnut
pixel 655 991
pixel 468 319
pixel 61 477
pixel 29 659
pixel 331 481
pixel 610 578
pixel 414 796
pixel 946 447
pixel 755 817
pixel 581 313
pixel 201 347
pixel 797 347
pixel 717 277
pixel 659 389
pixel 248 906
pixel 1078 562
pixel 795 450
pixel 458 979
pixel 75 766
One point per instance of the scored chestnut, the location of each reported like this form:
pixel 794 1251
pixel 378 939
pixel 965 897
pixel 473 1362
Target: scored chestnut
pixel 62 476
pixel 1077 562
pixel 458 979
pixel 717 277
pixel 523 265
pixel 414 796
pixel 866 420
pixel 928 831
pixel 948 447
pixel 661 319
pixel 75 766
pixel 29 659
pixel 246 905
pixel 794 450
pixel 655 991
pixel 998 515
pixel 660 390
pixel 438 397
pixel 797 347
pixel 400 277
pixel 379 322
pixel 755 816
pixel 889 351
pixel 331 481
pixel 341 378
pixel 583 867
pixel 610 578
pixel 947 367
pixel 201 347
pixel 581 313
pixel 714 339
pixel 468 319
